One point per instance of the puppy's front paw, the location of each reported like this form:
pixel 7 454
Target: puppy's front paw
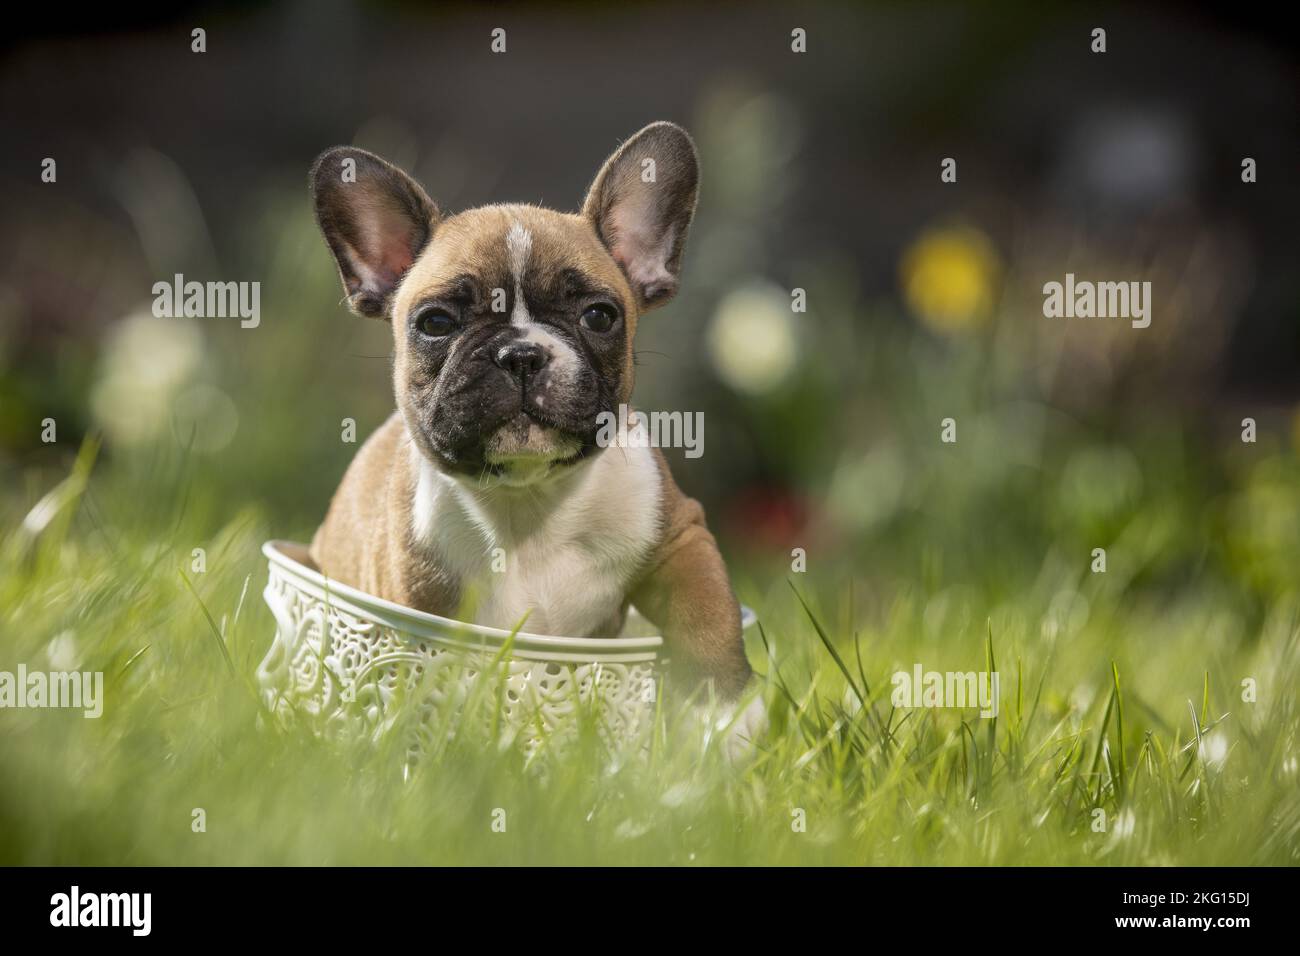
pixel 742 725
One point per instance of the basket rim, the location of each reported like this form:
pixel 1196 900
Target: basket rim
pixel 277 552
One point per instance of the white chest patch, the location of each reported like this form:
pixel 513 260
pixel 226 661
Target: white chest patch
pixel 563 558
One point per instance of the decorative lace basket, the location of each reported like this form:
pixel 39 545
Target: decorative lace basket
pixel 351 663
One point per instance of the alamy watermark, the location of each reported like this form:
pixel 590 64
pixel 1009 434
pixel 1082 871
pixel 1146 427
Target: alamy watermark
pixel 75 908
pixel 922 688
pixel 632 429
pixel 82 690
pixel 1098 300
pixel 209 300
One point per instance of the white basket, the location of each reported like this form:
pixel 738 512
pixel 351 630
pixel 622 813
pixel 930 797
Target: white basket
pixel 343 659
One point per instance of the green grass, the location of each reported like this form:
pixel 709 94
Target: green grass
pixel 1133 708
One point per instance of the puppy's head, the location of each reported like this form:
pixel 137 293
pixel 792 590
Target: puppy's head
pixel 512 324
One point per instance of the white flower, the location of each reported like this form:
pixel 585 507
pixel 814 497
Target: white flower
pixel 752 340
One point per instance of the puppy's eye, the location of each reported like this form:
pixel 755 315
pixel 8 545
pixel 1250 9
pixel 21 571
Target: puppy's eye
pixel 435 323
pixel 599 318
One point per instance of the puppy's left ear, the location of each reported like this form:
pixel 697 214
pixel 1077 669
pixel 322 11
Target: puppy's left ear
pixel 641 206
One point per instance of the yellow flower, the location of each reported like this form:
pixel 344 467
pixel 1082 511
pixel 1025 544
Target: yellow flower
pixel 950 278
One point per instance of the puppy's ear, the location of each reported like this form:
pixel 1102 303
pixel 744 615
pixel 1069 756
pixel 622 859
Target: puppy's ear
pixel 641 206
pixel 375 218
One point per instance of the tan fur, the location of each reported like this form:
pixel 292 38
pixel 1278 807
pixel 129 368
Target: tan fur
pixel 685 591
pixel 365 539
pixel 471 242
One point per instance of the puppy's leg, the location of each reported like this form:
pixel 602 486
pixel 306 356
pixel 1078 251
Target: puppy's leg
pixel 688 596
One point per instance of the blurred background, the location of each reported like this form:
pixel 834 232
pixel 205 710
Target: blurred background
pixel 821 173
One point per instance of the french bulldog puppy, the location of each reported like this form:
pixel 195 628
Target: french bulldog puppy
pixel 512 330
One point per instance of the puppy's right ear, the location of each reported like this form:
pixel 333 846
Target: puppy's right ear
pixel 376 220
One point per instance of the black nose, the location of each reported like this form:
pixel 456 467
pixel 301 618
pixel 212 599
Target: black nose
pixel 522 359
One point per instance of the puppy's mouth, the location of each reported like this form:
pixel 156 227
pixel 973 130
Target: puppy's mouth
pixel 527 449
